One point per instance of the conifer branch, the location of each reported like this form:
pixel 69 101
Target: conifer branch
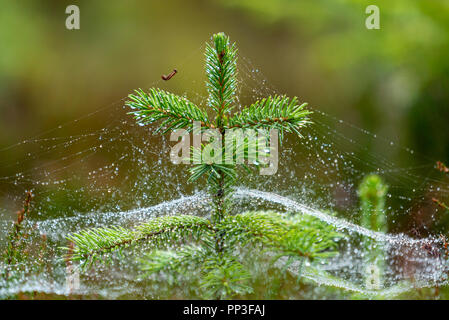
pixel 176 112
pixel 303 237
pixel 221 67
pixel 308 239
pixel 252 227
pixel 278 112
pixel 95 244
pixel 225 277
pixel 175 261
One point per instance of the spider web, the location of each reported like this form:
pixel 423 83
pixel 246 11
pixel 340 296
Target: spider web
pixel 118 173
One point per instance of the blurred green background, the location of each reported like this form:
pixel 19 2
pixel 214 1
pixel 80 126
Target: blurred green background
pixel 393 82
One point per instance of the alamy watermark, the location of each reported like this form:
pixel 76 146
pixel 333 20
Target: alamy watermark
pixel 72 22
pixel 373 20
pixel 241 146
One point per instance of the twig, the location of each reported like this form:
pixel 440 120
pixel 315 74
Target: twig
pixel 440 204
pixel 442 167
